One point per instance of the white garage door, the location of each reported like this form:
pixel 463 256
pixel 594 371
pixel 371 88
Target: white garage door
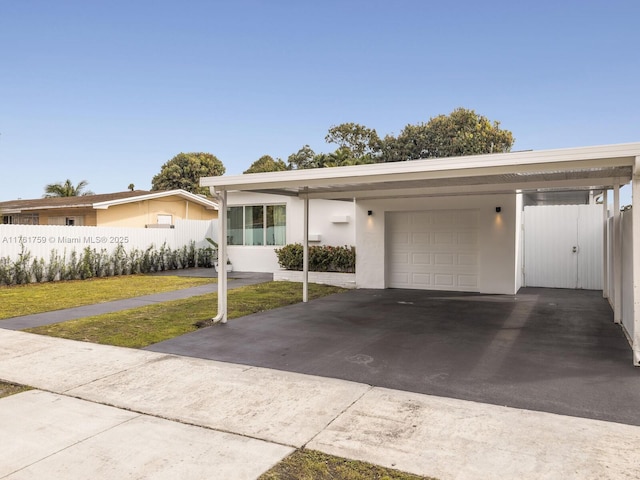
pixel 433 250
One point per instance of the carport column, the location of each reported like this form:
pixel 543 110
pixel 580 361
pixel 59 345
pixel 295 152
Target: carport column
pixel 305 251
pixel 635 253
pixel 617 255
pixel 222 258
pixel 605 244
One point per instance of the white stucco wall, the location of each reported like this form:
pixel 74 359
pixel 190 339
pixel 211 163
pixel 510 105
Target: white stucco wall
pixel 497 242
pixel 322 216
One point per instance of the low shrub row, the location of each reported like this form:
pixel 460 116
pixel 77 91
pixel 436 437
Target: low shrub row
pixel 322 258
pixel 92 263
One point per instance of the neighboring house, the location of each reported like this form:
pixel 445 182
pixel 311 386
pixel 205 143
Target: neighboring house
pixel 136 208
pixel 259 223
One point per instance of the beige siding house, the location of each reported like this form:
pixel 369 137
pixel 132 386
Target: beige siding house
pixel 137 208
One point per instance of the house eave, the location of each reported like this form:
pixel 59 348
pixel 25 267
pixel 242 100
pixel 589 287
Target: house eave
pixel 613 162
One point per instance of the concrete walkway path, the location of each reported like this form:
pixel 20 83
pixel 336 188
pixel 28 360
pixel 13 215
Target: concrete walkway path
pixel 237 280
pixel 107 412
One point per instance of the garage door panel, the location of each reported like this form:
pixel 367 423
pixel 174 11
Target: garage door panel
pixel 467 239
pixel 420 238
pixel 418 219
pixel 441 252
pixel 443 281
pixel 422 279
pixel 444 259
pixel 421 259
pixel 467 259
pixel 400 238
pixel 398 278
pixel 443 219
pixel 400 258
pixel 470 281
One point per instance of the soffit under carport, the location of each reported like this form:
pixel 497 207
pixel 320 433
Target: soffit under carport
pixel 584 179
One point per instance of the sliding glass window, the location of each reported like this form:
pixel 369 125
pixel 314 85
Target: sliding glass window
pixel 257 225
pixel 235 226
pixel 276 224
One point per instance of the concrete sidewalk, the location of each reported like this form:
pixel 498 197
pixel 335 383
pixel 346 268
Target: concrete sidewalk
pixel 110 412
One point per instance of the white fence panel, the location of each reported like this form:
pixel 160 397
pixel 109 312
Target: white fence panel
pixel 40 240
pixel 563 246
pixel 627 273
pixel 197 231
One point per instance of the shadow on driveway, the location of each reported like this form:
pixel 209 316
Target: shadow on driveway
pixel 543 349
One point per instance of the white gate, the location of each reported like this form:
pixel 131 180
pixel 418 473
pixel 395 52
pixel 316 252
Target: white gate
pixel 563 246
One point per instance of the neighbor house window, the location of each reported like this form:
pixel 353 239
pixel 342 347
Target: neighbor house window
pixel 165 219
pixel 21 219
pixel 256 225
pixel 71 221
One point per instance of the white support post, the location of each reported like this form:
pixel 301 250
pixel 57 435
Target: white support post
pixel 605 244
pixel 305 252
pixel 617 255
pixel 222 258
pixel 635 253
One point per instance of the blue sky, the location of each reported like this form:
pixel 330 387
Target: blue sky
pixel 108 91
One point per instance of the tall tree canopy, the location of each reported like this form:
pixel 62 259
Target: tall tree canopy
pixel 359 140
pixel 463 132
pixel 266 163
pixel 66 189
pixel 303 158
pixel 184 171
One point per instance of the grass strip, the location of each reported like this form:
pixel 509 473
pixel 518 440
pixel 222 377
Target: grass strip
pixel 312 465
pixel 28 299
pixel 140 327
pixel 7 389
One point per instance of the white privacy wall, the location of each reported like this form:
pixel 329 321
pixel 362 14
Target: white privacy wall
pixel 40 240
pixel 499 266
pixel 627 273
pixel 326 222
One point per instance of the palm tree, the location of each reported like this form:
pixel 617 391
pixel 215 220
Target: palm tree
pixel 66 189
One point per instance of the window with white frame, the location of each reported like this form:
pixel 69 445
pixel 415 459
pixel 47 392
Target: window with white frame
pixel 164 219
pixel 257 225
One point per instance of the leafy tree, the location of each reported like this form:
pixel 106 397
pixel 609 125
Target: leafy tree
pixel 184 171
pixel 131 187
pixel 66 189
pixel 359 140
pixel 266 163
pixel 463 132
pixel 303 158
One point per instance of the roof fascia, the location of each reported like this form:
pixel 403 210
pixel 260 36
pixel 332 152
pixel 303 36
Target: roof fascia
pixel 544 160
pixel 52 207
pixel 151 196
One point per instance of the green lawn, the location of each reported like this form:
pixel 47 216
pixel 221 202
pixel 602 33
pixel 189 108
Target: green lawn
pixel 139 327
pixel 45 297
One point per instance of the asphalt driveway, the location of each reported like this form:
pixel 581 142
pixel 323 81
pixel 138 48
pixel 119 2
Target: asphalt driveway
pixel 549 350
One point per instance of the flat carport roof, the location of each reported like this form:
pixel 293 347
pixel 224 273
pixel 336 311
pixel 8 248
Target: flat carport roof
pixel 589 168
pixel 543 349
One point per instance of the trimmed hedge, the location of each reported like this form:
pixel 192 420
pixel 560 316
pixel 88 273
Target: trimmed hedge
pixel 322 258
pixel 92 263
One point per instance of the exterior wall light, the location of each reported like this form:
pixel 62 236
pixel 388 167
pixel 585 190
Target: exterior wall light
pixel 369 212
pixel 498 209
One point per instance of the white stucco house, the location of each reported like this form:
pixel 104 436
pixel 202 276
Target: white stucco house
pixel 443 224
pixel 259 223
